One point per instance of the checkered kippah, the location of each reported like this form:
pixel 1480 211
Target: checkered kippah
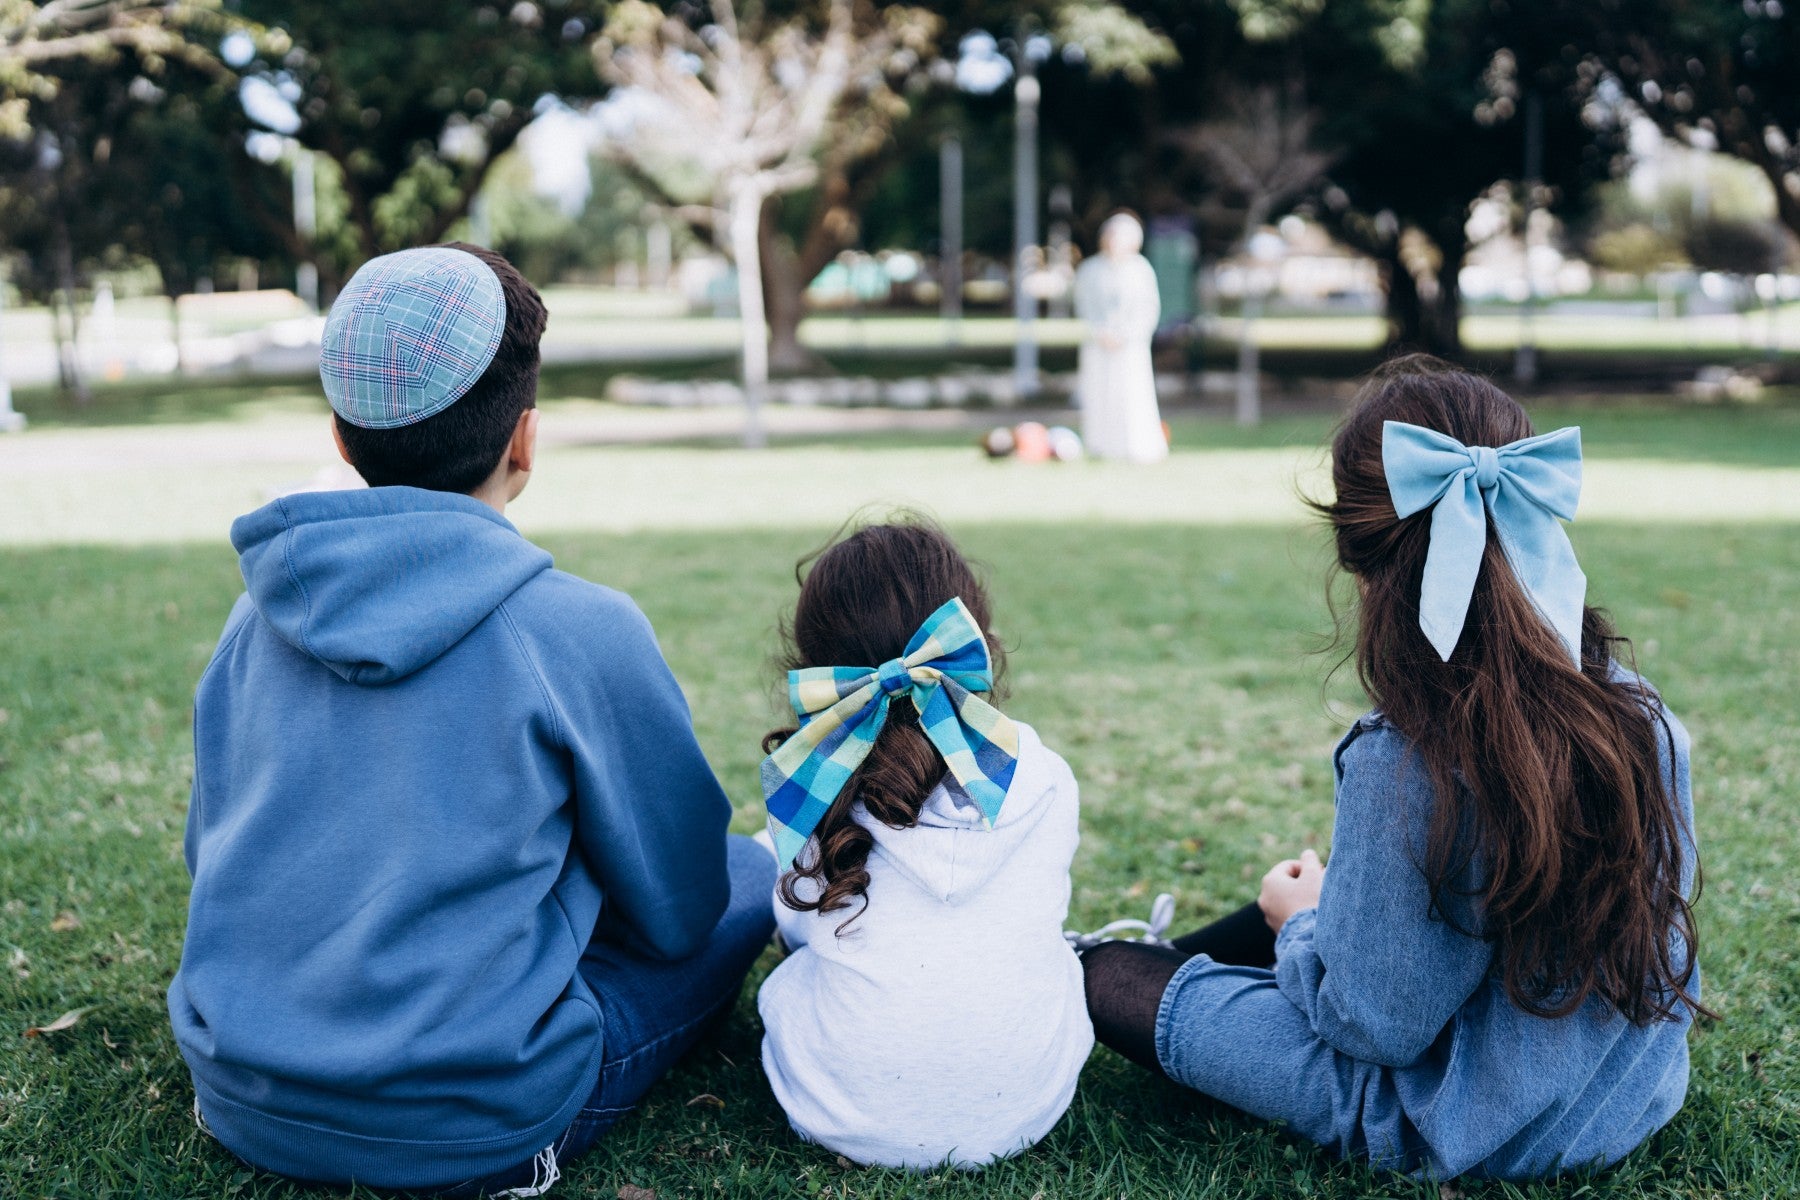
pixel 409 336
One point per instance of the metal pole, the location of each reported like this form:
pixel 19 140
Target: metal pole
pixel 1525 361
pixel 1059 251
pixel 950 202
pixel 306 224
pixel 1025 213
pixel 10 421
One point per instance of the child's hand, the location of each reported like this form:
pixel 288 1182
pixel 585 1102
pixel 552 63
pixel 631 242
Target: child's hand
pixel 1289 887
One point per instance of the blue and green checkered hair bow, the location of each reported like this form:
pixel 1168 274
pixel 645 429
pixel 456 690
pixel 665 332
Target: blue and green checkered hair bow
pixel 842 711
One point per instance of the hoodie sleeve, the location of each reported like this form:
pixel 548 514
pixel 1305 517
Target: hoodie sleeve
pixel 234 625
pixel 650 815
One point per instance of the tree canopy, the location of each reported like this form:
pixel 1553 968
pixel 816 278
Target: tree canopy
pixel 414 100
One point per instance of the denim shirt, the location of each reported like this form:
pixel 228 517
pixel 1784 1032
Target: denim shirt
pixel 1440 1072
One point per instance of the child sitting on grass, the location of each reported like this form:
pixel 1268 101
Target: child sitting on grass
pixel 930 1011
pixel 1496 972
pixel 462 889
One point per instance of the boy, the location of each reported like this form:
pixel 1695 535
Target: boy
pixel 462 886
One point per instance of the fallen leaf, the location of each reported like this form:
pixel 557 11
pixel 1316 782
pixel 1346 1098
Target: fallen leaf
pixel 66 1021
pixel 64 921
pixel 633 1192
pixel 706 1098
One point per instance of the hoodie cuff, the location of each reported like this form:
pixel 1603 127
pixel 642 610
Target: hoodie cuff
pixel 1297 931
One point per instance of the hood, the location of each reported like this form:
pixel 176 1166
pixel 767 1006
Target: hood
pixel 377 583
pixel 951 853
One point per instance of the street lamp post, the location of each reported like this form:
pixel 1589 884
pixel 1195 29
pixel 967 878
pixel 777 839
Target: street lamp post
pixel 1025 186
pixel 10 421
pixel 306 223
pixel 950 201
pixel 1525 361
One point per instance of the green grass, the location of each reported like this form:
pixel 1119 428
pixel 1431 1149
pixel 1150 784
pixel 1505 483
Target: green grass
pixel 1166 658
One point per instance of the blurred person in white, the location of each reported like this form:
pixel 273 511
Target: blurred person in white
pixel 1115 297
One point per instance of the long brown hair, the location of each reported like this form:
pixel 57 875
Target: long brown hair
pixel 1549 779
pixel 865 596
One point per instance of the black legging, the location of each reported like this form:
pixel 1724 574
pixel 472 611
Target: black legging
pixel 1126 980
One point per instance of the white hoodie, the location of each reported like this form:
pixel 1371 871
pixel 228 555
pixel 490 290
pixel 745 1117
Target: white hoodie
pixel 948 1023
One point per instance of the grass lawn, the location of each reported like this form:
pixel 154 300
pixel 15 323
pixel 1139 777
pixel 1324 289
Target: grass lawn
pixel 1167 660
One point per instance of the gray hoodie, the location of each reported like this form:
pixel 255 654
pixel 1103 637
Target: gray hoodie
pixel 947 1024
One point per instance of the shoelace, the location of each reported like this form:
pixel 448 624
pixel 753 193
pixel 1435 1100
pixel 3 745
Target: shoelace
pixel 544 1174
pixel 1162 915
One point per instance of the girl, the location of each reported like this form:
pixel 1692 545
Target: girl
pixel 930 1011
pixel 1496 974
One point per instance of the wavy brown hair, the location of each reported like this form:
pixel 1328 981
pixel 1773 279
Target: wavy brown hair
pixel 1549 778
pixel 865 596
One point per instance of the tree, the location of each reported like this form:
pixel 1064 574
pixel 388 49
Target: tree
pixel 895 109
pixel 36 36
pixel 1261 152
pixel 1424 136
pixel 86 68
pixel 414 101
pixel 178 189
pixel 892 56
pixel 1712 73
pixel 743 108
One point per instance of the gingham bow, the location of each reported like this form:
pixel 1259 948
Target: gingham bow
pixel 1527 485
pixel 842 711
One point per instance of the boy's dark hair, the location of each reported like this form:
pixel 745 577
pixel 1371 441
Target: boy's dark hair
pixel 457 449
pixel 865 596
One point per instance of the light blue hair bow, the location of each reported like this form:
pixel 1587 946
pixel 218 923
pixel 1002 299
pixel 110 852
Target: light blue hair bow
pixel 1528 485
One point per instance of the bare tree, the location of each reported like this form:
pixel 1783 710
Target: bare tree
pixel 743 108
pixel 1260 154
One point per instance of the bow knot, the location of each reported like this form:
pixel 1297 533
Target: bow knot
pixel 842 711
pixel 1487 466
pixel 1526 485
pixel 895 676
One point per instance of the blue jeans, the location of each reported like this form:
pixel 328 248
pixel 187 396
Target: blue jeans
pixel 653 1012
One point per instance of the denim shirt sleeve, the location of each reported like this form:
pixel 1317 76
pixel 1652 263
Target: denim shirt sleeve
pixel 1375 973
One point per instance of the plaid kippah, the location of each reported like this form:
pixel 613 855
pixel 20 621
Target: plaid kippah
pixel 409 336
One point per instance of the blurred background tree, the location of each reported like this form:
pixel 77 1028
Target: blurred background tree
pixel 1389 123
pixel 36 37
pixel 86 173
pixel 1711 74
pixel 414 101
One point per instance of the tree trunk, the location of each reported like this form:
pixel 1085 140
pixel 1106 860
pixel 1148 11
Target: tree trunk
pixel 1405 307
pixel 1445 313
pixel 744 216
pixel 1249 364
pixel 175 334
pixel 1417 322
pixel 784 291
pixel 68 339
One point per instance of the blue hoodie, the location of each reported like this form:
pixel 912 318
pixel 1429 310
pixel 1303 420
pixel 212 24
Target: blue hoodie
pixel 427 769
